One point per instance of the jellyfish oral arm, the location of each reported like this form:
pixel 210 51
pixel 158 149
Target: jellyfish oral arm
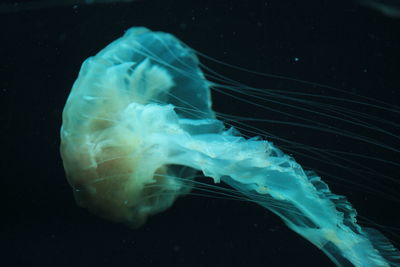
pixel 275 181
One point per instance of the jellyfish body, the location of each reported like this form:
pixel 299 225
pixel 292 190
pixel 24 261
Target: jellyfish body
pixel 138 123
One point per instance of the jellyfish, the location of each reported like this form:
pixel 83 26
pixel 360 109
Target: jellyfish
pixel 138 126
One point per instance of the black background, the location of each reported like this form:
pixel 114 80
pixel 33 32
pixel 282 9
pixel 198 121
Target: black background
pixel 338 43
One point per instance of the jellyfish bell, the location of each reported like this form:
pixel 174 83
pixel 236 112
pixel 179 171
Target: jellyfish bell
pixel 105 148
pixel 138 125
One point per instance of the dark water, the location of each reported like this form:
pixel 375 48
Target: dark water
pixel 337 43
